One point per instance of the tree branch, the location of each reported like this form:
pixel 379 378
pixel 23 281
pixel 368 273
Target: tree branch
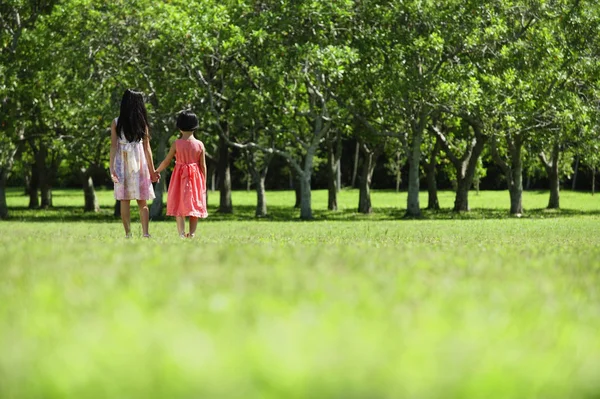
pixel 445 145
pixel 544 160
pixel 498 159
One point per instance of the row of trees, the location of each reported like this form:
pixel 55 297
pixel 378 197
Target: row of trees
pixel 419 80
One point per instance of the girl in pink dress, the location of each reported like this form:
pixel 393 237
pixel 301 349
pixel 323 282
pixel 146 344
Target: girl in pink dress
pixel 187 188
pixel 131 165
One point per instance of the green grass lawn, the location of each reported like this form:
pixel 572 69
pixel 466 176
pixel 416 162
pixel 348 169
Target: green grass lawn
pixel 387 205
pixel 348 306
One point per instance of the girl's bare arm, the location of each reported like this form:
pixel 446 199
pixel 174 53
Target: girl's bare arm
pixel 113 151
pixel 167 161
pixel 148 154
pixel 203 164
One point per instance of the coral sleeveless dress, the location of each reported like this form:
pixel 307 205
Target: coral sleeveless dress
pixel 187 190
pixel 132 171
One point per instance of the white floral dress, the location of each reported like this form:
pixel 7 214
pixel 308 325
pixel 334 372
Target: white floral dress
pixel 132 171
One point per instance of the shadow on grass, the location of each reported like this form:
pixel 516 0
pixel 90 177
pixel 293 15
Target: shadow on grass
pixel 288 214
pixel 60 214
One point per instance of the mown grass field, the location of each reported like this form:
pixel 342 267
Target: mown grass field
pixel 347 306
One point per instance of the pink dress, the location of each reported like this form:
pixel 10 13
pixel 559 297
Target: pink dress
pixel 187 189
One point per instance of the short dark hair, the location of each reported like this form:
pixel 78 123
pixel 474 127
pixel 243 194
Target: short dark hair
pixel 187 121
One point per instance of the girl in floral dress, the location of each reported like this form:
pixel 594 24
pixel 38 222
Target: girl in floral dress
pixel 131 165
pixel 187 188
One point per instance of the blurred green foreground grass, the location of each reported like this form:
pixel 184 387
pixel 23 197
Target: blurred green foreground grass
pixel 344 307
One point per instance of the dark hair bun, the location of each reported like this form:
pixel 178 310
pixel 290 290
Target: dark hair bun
pixel 187 121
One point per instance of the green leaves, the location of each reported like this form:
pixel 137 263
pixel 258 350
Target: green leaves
pixel 274 67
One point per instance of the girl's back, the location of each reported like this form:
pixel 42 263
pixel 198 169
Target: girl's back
pixel 130 166
pixel 187 190
pixel 188 151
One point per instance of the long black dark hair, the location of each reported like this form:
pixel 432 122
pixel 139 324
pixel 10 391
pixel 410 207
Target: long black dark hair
pixel 133 119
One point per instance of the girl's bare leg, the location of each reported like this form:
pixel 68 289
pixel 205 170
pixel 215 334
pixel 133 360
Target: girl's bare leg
pixel 193 225
pixel 125 216
pixel 180 225
pixel 144 216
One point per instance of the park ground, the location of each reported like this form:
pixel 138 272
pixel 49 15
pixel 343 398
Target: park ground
pixel 481 305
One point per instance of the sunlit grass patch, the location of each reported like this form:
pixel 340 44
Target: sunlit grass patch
pixel 346 306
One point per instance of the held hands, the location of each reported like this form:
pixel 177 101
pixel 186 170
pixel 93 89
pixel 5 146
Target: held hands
pixel 154 176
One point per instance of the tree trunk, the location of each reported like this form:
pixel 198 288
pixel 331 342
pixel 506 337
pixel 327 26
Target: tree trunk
pixel 331 178
pixel 465 174
pixel 305 200
pixel 3 204
pixel 259 176
pixel 156 209
pixel 224 173
pixel 46 187
pixel 551 167
pixel 355 166
pixel 334 156
pixel 516 187
pixel 414 159
pixel 46 173
pixel 5 171
pixel 305 178
pixel 338 161
pixel 432 197
pixel 398 172
pixel 298 191
pixel 513 172
pixel 554 201
pixel 461 201
pixel 89 193
pixel 46 194
pixel 593 180
pixel 554 177
pixel 575 171
pixel 158 204
pixel 34 200
pixel 213 180
pixel 26 184
pixel 210 174
pixel 338 173
pixel 368 166
pixel 261 201
pixel 466 163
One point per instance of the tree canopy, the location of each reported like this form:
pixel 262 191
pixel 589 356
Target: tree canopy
pixel 292 84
